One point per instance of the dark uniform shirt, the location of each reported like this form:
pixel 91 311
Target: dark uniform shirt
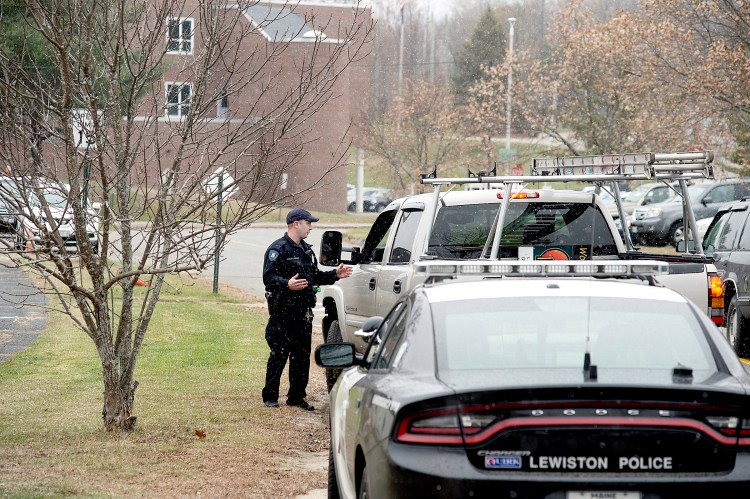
pixel 284 258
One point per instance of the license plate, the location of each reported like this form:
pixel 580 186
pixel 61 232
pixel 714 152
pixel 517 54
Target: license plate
pixel 603 494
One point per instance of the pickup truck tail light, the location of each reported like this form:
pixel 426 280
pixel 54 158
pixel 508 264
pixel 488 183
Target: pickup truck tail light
pixel 715 299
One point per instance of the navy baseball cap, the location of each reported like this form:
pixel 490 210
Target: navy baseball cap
pixel 300 214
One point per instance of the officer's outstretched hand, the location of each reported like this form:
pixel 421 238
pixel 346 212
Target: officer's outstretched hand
pixel 297 284
pixel 343 271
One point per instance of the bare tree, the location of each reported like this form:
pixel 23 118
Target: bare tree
pixel 421 130
pixel 598 92
pixel 126 121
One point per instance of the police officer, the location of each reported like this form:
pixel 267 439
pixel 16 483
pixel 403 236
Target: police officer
pixel 291 276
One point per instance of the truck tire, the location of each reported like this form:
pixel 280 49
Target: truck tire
pixel 333 336
pixel 738 330
pixel 676 233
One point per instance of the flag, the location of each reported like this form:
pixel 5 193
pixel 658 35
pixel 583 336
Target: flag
pixel 401 4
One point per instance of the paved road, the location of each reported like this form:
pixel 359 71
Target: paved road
pixel 22 316
pixel 241 262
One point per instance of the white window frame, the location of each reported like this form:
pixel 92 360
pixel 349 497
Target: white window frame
pixel 180 39
pixel 182 108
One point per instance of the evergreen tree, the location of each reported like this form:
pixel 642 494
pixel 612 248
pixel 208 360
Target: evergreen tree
pixel 486 47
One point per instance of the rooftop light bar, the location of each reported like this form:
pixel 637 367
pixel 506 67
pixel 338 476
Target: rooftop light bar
pixel 542 268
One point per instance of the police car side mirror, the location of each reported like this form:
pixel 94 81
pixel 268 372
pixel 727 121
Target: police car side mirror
pixel 335 355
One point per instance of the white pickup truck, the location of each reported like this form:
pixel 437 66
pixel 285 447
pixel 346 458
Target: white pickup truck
pixel 532 224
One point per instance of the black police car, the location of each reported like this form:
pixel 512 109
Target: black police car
pixel 540 387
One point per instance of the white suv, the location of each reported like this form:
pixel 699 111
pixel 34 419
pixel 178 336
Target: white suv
pixel 30 234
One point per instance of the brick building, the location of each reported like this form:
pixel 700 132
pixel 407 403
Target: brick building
pixel 283 49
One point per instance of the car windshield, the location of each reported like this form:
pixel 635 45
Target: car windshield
pixel 56 200
pixel 606 197
pixel 637 194
pixel 551 332
pixel 10 194
pixel 694 191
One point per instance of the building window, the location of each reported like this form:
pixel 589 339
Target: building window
pixel 178 99
pixel 222 105
pixel 180 36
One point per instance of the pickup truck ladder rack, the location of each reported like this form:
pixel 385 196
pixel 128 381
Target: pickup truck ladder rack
pixel 599 169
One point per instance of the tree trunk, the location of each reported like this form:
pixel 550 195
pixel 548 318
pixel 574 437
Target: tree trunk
pixel 488 151
pixel 118 402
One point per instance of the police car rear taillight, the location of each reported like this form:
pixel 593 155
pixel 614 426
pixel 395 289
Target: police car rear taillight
pixel 745 432
pixel 745 428
pixel 441 427
pixel 725 424
pixel 435 427
pixel 520 195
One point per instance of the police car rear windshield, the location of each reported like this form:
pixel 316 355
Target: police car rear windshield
pixel 460 232
pixel 551 333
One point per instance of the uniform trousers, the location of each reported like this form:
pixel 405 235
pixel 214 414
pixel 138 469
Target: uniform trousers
pixel 289 336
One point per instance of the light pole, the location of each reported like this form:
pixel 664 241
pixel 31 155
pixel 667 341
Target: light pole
pixel 508 114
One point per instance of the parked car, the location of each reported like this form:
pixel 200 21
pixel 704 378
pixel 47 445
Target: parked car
pixel 662 223
pixel 646 194
pixel 728 240
pixel 535 387
pixel 374 199
pixel 30 232
pixel 9 197
pixel 622 185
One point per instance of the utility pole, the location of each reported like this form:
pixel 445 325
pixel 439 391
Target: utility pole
pixel 509 102
pixel 400 59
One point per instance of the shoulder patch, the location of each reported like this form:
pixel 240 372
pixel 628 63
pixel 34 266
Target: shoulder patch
pixel 273 255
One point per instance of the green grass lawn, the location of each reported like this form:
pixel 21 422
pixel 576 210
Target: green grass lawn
pixel 201 371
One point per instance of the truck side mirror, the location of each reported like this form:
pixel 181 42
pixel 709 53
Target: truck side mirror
pixel 330 248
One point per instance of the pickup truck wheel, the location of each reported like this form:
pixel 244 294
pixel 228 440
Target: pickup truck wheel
pixel 676 234
pixel 738 332
pixel 333 336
